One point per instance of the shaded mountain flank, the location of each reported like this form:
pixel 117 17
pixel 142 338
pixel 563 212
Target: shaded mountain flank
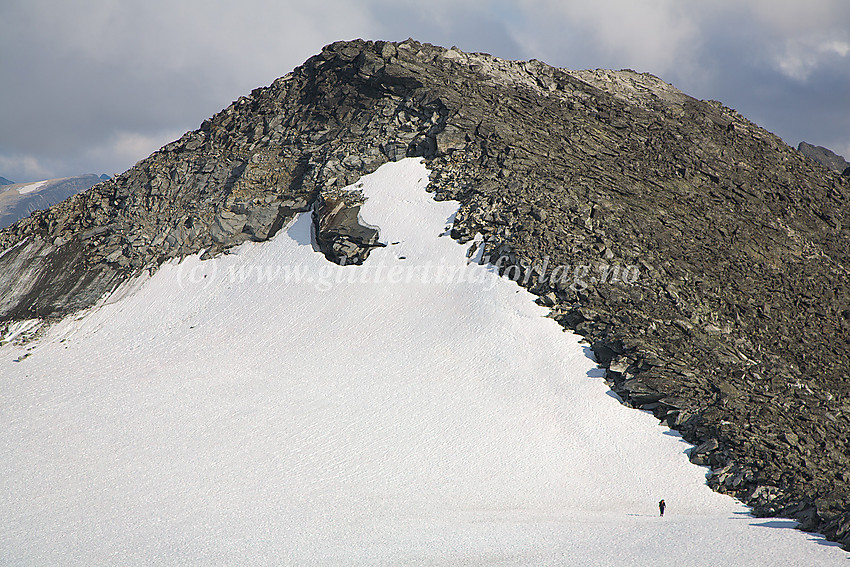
pixel 704 260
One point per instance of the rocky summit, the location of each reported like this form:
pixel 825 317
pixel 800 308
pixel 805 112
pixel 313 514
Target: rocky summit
pixel 704 260
pixel 824 156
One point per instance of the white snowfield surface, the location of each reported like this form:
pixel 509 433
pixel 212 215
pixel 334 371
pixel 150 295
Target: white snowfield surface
pixel 201 418
pixel 31 187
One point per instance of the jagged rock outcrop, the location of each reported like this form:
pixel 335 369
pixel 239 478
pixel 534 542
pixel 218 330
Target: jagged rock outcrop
pixel 704 260
pixel 340 234
pixel 824 156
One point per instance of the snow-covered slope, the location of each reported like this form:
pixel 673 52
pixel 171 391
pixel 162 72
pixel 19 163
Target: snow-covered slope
pixel 270 408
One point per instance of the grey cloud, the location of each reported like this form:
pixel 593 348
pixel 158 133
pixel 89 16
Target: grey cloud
pixel 474 26
pixel 78 77
pixel 784 65
pixel 93 86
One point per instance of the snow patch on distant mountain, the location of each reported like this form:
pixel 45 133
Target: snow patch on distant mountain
pixel 20 200
pixel 29 188
pixel 268 407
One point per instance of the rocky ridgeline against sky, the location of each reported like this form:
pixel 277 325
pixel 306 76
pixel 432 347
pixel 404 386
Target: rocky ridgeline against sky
pixel 732 326
pixel 825 157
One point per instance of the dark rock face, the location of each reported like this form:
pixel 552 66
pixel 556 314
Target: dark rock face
pixel 704 260
pixel 824 156
pixel 340 234
pixel 4 181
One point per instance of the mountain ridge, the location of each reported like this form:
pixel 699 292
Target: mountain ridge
pixel 19 200
pixel 824 156
pixel 732 333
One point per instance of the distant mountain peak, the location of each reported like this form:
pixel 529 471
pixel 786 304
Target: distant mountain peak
pixel 4 181
pixel 824 156
pixel 19 200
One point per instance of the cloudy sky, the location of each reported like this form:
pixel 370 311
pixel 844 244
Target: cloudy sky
pixel 92 86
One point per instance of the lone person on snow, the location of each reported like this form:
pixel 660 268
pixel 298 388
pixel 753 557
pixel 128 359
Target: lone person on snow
pixel 661 507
